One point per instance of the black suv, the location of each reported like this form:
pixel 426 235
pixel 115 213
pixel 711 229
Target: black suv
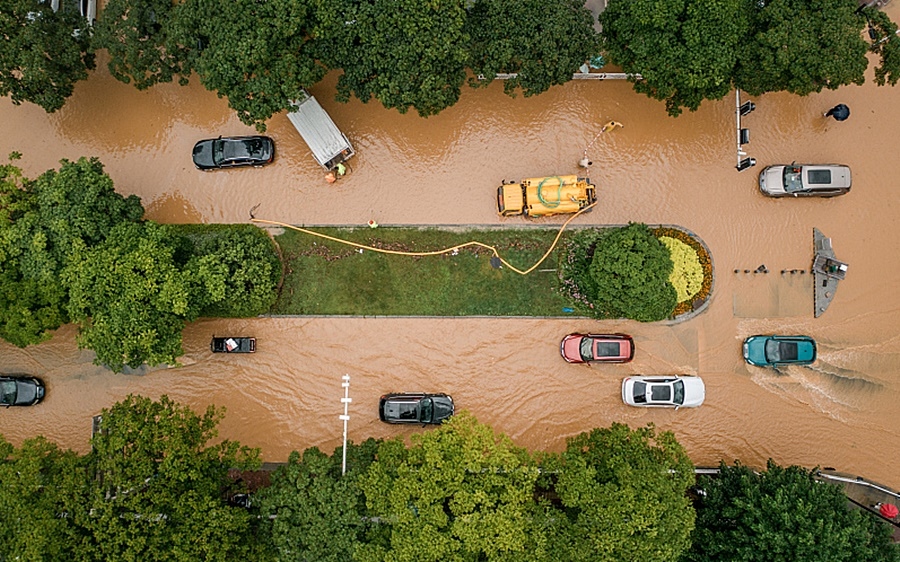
pixel 415 408
pixel 231 152
pixel 20 390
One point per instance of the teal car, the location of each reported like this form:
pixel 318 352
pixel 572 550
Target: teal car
pixel 772 351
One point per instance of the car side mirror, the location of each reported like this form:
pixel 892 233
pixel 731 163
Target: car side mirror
pixel 677 407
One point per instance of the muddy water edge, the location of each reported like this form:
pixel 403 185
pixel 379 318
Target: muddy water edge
pixel 841 412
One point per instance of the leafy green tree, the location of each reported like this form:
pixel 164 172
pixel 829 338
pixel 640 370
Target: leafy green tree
pixel 43 55
pixel 783 515
pixel 40 222
pixel 622 493
pixel 551 40
pixel 459 492
pixel 156 488
pixel 801 46
pixel 685 51
pixel 315 513
pixel 629 275
pixel 404 53
pixel 238 268
pixel 131 296
pixel 886 46
pixel 136 33
pixel 36 484
pixel 256 54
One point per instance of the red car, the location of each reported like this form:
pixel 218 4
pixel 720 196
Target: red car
pixel 605 348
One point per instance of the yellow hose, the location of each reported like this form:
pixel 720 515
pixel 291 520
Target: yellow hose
pixel 436 252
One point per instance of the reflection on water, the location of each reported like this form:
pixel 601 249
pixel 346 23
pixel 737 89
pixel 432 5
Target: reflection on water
pixel 444 170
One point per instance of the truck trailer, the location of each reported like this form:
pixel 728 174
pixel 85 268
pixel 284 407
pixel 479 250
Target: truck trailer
pixel 541 197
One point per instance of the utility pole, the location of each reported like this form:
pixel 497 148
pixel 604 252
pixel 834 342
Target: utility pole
pixel 345 417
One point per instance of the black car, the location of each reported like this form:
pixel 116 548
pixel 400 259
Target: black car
pixel 232 344
pixel 230 152
pixel 20 390
pixel 415 408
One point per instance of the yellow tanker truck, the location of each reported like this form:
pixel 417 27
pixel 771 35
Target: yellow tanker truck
pixel 541 197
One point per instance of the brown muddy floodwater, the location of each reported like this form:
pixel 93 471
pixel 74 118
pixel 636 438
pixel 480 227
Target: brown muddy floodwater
pixel 841 412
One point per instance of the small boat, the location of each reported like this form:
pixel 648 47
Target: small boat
pixel 232 344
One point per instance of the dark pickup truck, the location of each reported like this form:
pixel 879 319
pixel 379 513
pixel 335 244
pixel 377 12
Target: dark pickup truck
pixel 232 345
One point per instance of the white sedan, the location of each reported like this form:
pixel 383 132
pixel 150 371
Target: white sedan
pixel 671 391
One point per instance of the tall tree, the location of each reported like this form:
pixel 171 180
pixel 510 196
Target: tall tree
pixel 237 267
pixel 622 493
pixel 256 54
pixel 629 275
pixel 41 221
pixel 315 512
pixel 156 487
pixel 131 296
pixel 783 515
pixel 37 482
pixel 801 46
pixel 136 33
pixel 551 40
pixel 404 53
pixel 685 51
pixel 886 44
pixel 459 492
pixel 44 52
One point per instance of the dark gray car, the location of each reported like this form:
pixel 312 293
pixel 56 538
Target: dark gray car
pixel 231 152
pixel 415 408
pixel 20 390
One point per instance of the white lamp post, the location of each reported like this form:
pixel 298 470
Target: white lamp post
pixel 345 417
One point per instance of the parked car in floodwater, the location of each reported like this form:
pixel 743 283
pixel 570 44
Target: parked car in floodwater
pixel 603 348
pixel 232 152
pixel 671 391
pixel 772 351
pixel 415 408
pixel 805 180
pixel 20 390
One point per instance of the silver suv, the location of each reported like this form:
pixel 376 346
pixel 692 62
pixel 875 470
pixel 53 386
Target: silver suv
pixel 805 180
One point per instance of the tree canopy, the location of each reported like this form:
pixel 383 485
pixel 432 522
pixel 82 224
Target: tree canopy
pixel 551 40
pixel 783 515
pixel 131 297
pixel 137 35
pixel 802 46
pixel 685 51
pixel 44 52
pixel 255 54
pixel 314 512
pixel 152 488
pixel 404 53
pixel 629 275
pixel 41 221
pixel 623 496
pixel 461 489
pixel 237 267
pixel 688 52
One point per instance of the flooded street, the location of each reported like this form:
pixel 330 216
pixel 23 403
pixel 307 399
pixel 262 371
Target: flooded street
pixel 840 412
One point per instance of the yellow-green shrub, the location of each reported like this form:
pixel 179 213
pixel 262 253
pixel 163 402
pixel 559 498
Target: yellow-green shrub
pixel 687 275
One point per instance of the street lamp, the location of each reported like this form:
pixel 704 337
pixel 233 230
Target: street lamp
pixel 345 417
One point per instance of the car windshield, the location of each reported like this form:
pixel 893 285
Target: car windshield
pixel 586 349
pixel 7 392
pixel 640 392
pixel 792 179
pixel 661 393
pixel 679 392
pixel 426 410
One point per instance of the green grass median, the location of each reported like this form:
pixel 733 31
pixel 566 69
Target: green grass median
pixel 326 277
